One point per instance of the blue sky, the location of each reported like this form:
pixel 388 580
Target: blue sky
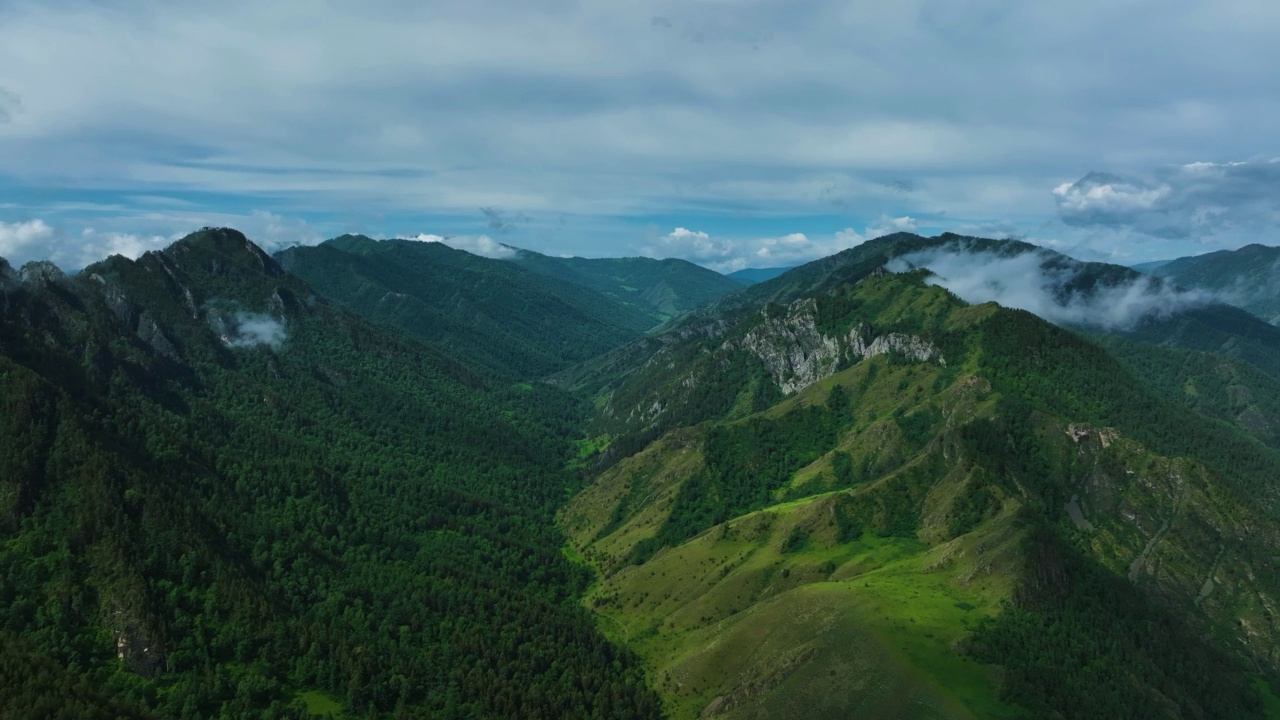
pixel 733 133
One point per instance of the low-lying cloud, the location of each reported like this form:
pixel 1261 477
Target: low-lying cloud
pixel 730 254
pixel 481 245
pixel 1183 201
pixel 247 329
pixel 1051 287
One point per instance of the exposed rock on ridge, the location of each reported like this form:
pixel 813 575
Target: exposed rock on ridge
pixel 797 354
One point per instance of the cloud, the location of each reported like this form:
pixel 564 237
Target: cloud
pixel 9 105
pixel 626 112
pixel 889 225
pixel 729 254
pixel 1050 287
pixel 274 232
pixel 17 238
pixel 71 250
pixel 94 246
pixel 247 329
pixel 1193 200
pixel 498 222
pixel 481 245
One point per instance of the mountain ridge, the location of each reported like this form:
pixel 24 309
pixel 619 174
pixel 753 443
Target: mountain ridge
pixel 674 514
pixel 1248 277
pixel 212 513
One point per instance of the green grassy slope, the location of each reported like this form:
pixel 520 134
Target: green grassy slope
pixel 951 503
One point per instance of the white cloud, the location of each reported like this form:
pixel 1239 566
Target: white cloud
pixel 274 232
pixel 94 246
pixel 1192 200
pixel 592 108
pixel 1036 282
pixel 729 254
pixel 17 238
pixel 22 242
pixel 481 245
pixel 252 329
pixel 889 225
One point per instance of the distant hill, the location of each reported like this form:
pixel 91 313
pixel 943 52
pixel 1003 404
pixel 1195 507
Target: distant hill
pixel 495 314
pixel 750 276
pixel 661 288
pixel 1147 267
pixel 1248 278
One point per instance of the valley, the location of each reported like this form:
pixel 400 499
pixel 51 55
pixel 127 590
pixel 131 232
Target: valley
pixel 413 481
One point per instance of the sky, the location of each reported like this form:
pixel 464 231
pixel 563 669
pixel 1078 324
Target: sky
pixel 734 133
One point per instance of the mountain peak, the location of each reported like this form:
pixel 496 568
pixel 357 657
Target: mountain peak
pixel 40 272
pixel 220 249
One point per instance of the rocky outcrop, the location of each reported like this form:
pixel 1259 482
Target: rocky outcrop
pixel 797 353
pixel 139 649
pixel 40 274
pixel 150 333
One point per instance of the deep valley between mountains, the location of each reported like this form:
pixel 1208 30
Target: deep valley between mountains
pixel 391 479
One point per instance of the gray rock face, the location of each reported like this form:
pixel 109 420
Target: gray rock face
pixel 792 348
pixel 117 301
pixel 40 273
pixel 151 334
pixel 797 354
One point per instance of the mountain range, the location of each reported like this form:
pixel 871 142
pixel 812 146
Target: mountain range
pixel 1248 277
pixel 393 479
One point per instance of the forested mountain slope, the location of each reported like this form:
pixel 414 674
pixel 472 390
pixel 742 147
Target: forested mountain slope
pixel 750 276
pixel 641 394
pixel 1212 385
pixel 853 490
pixel 661 288
pixel 1248 277
pixel 224 497
pixel 488 314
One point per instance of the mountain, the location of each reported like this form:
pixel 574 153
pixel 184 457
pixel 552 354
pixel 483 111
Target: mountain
pixel 492 314
pixel 1149 267
pixel 641 397
pixel 859 487
pixel 224 496
pixel 1210 384
pixel 750 276
pixel 847 487
pixel 1248 277
pixel 661 288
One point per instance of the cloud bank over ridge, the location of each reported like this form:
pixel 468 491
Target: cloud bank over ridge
pixel 1035 282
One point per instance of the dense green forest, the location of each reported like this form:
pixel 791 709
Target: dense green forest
pixel 525 316
pixel 1248 277
pixel 488 314
pixel 228 494
pixel 664 289
pixel 223 497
